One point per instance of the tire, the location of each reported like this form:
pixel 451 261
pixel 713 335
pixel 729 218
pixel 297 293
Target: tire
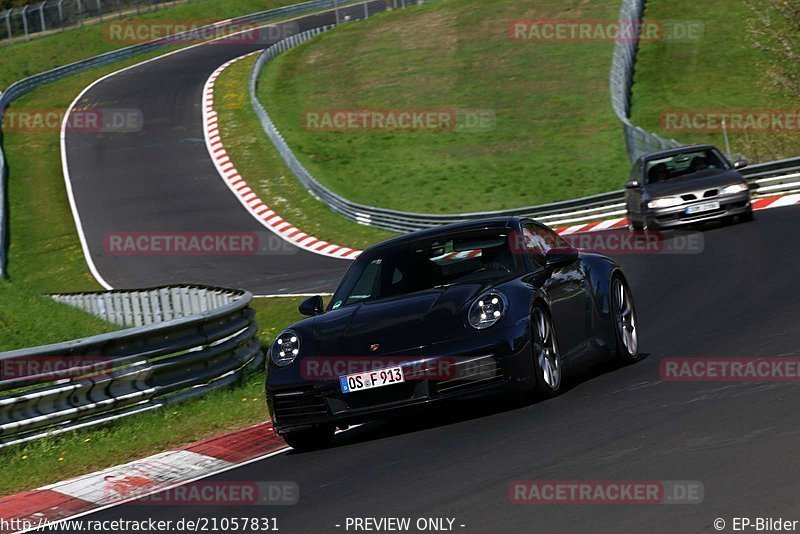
pixel 626 329
pixel 311 439
pixel 547 365
pixel 748 216
pixel 634 226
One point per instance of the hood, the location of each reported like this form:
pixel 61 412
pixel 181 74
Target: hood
pixel 395 325
pixel 699 181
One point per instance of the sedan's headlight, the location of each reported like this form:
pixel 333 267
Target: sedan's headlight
pixel 286 348
pixel 665 202
pixel 733 189
pixel 487 310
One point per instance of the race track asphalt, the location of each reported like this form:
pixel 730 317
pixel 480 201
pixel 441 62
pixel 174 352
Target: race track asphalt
pixel 739 298
pixel 161 180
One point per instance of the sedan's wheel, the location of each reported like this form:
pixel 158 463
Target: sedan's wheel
pixel 546 358
pixel 625 320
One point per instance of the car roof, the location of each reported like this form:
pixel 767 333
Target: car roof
pixel 673 151
pixel 454 228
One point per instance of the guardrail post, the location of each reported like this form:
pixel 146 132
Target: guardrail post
pixel 80 12
pixel 8 24
pixel 61 13
pixel 366 9
pixel 41 17
pixel 100 10
pixel 336 10
pixel 25 21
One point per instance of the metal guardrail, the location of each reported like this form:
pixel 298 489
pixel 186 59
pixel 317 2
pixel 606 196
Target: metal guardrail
pixel 198 339
pixel 637 140
pixel 591 208
pixel 26 85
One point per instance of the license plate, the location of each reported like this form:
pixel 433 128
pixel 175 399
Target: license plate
pixel 699 208
pixel 372 379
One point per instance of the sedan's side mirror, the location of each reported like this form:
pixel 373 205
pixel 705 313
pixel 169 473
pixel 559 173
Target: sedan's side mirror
pixel 741 164
pixel 632 184
pixel 556 257
pixel 312 306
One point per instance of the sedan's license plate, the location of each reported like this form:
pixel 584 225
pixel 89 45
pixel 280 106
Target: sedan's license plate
pixel 371 379
pixel 700 208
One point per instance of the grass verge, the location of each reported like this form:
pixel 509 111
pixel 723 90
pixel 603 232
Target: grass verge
pixel 28 319
pixel 57 458
pixel 555 135
pixel 262 167
pixel 711 74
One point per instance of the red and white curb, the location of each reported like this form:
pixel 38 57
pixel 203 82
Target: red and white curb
pixel 249 199
pixel 138 479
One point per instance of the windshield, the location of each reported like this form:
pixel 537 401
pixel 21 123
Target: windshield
pixel 477 257
pixel 684 164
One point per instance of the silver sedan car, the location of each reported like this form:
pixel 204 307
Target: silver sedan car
pixel 686 185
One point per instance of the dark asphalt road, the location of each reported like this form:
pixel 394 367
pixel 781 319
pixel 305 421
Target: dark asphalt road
pixel 739 298
pixel 162 180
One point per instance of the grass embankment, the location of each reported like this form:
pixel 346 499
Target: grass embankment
pixel 714 73
pixel 262 167
pixel 25 58
pixel 555 136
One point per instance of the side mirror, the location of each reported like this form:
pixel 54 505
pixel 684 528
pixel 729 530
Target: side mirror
pixel 312 306
pixel 741 164
pixel 632 184
pixel 556 257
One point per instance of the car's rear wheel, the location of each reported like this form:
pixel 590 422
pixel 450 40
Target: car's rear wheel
pixel 625 322
pixel 546 357
pixel 310 439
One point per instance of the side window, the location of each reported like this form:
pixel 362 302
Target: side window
pixel 539 240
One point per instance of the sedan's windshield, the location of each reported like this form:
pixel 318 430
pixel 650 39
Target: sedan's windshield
pixel 480 257
pixel 683 164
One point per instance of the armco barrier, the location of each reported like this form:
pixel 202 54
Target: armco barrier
pixel 26 85
pixel 774 178
pixel 196 339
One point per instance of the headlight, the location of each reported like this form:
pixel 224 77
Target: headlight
pixel 286 348
pixel 733 189
pixel 665 202
pixel 487 310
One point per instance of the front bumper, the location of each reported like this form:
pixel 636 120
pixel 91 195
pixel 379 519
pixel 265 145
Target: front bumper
pixel 481 372
pixel 729 206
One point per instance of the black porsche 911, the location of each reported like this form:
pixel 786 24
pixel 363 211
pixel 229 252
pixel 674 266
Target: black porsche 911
pixel 464 310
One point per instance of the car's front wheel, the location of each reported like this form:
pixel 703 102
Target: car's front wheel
pixel 310 439
pixel 546 356
pixel 625 321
